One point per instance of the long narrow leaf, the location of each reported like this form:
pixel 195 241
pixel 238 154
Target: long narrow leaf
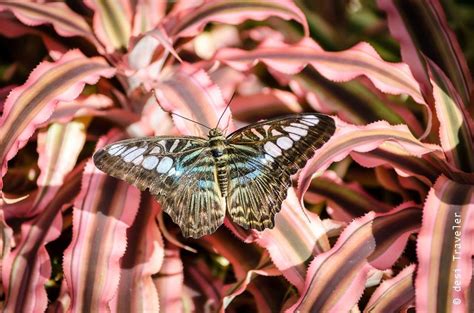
pixel 349 138
pixel 32 103
pixel 189 22
pixel 336 279
pixel 456 125
pixel 394 295
pixel 103 211
pixel 445 248
pixel 190 93
pixel 25 271
pixel 422 30
pixel 294 240
pixel 65 21
pixel 362 59
pixel 142 259
pixel 112 22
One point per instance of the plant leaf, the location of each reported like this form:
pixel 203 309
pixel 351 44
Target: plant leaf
pixel 294 240
pixel 169 282
pixel 32 103
pixel 362 59
pixel 346 201
pixel 103 211
pixel 191 93
pixel 26 269
pixel 191 21
pixel 336 278
pixel 58 150
pixel 112 22
pixel 456 124
pixel 65 21
pixel 349 138
pixel 445 248
pixel 142 259
pixel 422 30
pixel 395 294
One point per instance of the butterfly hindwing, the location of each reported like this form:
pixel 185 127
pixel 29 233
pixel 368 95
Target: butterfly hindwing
pixel 178 171
pixel 256 188
pixel 267 154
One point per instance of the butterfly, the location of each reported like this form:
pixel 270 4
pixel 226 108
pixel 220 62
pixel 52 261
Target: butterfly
pixel 198 180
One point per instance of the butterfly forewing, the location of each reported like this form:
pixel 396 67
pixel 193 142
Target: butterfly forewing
pixel 178 171
pixel 262 158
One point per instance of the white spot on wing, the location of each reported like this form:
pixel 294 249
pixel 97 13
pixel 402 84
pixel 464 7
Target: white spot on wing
pixel 276 133
pixel 300 125
pixel 156 150
pixel 256 133
pixel 165 164
pixel 138 160
pixel 294 137
pixel 150 162
pixel 128 151
pixel 285 143
pixel 306 123
pixel 296 130
pixel 175 144
pixel 272 149
pixel 134 154
pixel 114 149
pixel 311 119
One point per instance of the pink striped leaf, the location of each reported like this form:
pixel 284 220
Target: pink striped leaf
pixel 64 20
pixel 394 295
pixel 58 148
pixel 405 165
pixel 103 211
pixel 112 22
pixel 291 226
pixel 191 21
pixel 247 262
pixel 143 258
pixel 456 124
pixel 28 267
pixel 345 201
pixel 445 248
pixel 336 279
pixel 32 103
pixel 147 14
pixel 349 138
pixel 81 107
pixel 170 281
pixel 356 101
pixel 205 286
pixel 438 44
pixel 362 59
pixel 190 93
pixel 265 267
pixel 7 241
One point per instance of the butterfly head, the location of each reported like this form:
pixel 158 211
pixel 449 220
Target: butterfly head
pixel 215 133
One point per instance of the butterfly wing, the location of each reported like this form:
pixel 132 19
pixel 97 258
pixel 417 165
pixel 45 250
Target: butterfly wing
pixel 263 156
pixel 178 171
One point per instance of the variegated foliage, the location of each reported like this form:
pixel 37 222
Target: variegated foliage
pixel 380 219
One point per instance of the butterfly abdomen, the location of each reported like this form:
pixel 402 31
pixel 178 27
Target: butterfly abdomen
pixel 219 153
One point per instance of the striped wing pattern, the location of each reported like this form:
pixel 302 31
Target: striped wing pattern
pixel 182 172
pixel 262 157
pixel 178 171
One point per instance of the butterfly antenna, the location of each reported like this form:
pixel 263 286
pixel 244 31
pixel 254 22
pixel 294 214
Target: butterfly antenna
pixel 228 104
pixel 176 114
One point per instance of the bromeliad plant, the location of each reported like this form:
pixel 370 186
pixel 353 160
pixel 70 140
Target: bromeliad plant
pixel 380 219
